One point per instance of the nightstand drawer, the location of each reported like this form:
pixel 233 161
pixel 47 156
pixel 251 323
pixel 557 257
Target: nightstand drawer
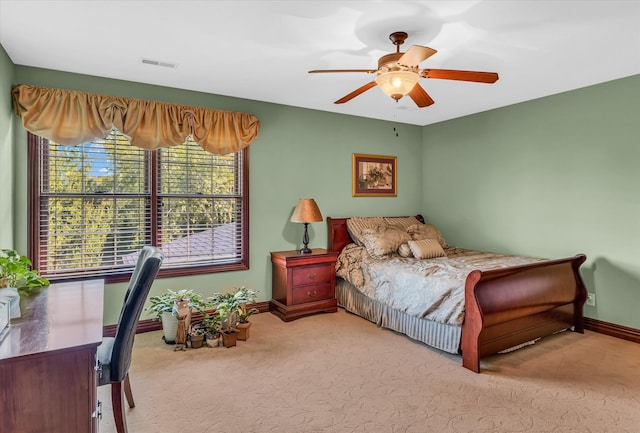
pixel 310 293
pixel 312 275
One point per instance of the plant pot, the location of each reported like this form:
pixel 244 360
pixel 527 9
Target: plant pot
pixel 243 331
pixel 229 338
pixel 169 327
pixel 213 340
pixel 197 341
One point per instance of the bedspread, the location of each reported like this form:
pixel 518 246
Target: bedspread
pixel 427 288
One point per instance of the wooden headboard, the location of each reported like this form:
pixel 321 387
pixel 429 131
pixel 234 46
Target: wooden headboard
pixel 339 236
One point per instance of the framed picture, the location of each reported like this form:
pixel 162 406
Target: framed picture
pixel 374 175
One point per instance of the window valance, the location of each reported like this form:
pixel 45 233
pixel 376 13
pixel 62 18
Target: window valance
pixel 73 117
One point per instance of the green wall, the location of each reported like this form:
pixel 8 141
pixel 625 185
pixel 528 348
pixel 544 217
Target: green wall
pixel 6 151
pixel 551 178
pixel 299 153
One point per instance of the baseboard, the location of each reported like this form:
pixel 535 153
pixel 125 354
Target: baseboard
pixel 149 325
pixel 599 326
pixel 613 330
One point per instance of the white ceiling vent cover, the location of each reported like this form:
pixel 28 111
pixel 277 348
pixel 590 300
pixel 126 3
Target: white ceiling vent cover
pixel 159 63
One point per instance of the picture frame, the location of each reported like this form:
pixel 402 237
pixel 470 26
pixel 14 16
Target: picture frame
pixel 374 175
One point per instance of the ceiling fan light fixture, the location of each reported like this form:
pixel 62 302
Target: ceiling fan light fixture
pixel 397 83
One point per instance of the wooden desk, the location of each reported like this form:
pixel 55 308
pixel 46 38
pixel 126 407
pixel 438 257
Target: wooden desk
pixel 48 380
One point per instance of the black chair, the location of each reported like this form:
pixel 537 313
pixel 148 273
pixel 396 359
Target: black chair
pixel 114 354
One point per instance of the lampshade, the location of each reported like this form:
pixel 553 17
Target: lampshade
pixel 306 212
pixel 397 83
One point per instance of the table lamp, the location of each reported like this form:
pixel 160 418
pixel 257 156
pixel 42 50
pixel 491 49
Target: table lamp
pixel 306 212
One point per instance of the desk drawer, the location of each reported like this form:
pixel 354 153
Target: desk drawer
pixel 310 293
pixel 312 274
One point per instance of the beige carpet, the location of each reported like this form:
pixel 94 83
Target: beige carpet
pixel 340 373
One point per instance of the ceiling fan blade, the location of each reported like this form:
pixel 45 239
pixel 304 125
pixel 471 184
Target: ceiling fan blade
pixel 355 93
pixel 368 71
pixel 452 74
pixel 420 96
pixel 415 55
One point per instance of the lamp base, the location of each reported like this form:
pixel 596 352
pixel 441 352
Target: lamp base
pixel 305 241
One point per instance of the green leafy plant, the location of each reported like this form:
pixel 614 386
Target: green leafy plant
pixel 212 324
pixel 15 271
pixel 198 329
pixel 228 315
pixel 232 306
pixel 244 314
pixel 165 302
pixel 248 297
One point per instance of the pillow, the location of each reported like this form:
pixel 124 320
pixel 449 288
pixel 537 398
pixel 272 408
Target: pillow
pixel 405 250
pixel 426 249
pixel 403 222
pixel 425 231
pixel 383 240
pixel 356 224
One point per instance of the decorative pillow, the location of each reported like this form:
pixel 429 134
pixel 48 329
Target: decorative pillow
pixel 383 240
pixel 405 250
pixel 425 231
pixel 426 249
pixel 356 224
pixel 403 222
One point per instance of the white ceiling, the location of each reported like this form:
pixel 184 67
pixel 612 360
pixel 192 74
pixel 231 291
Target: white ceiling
pixel 262 50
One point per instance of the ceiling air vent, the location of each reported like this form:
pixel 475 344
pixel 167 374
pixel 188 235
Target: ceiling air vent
pixel 159 63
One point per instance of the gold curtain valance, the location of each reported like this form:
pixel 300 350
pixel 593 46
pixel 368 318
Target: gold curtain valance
pixel 72 117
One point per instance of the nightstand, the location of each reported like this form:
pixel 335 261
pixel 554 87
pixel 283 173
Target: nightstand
pixel 303 284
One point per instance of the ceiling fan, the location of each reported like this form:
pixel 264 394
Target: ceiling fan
pixel 398 73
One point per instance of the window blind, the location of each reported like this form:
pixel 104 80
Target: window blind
pixel 98 203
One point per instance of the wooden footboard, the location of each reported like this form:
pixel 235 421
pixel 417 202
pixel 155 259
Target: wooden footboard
pixel 507 307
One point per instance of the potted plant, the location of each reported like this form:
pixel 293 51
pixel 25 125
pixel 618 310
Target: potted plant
pixel 163 308
pixel 243 322
pixel 213 326
pixel 227 310
pixel 231 306
pixel 16 272
pixel 248 296
pixel 197 334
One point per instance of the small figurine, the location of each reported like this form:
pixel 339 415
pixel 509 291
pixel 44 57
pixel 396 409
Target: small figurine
pixel 183 314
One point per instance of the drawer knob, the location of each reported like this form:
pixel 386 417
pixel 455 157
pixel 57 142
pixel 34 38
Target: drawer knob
pixel 312 276
pixel 312 294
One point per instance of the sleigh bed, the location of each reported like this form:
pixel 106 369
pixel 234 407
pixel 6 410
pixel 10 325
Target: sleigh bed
pixel 502 308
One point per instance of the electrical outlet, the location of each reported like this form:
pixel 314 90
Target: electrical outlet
pixel 591 299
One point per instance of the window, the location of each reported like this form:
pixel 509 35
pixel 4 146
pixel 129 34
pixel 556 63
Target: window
pixel 94 205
